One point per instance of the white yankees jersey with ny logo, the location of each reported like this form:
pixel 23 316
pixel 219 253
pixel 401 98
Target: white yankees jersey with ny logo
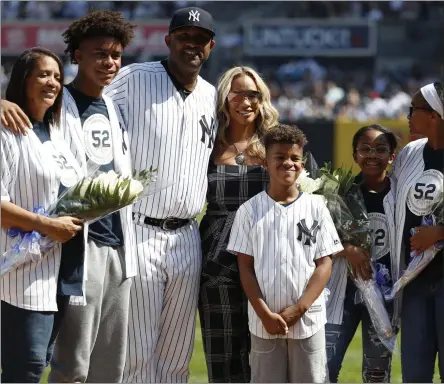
pixel 175 136
pixel 285 241
pixel 32 171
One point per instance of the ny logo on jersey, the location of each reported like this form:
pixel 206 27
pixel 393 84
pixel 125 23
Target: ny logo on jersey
pixel 194 15
pixel 207 130
pixel 310 234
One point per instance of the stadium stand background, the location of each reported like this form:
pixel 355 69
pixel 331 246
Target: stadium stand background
pixel 312 84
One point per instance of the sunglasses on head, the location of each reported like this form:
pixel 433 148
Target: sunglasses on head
pixel 253 97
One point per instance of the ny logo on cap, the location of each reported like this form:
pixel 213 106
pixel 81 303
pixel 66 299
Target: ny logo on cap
pixel 194 14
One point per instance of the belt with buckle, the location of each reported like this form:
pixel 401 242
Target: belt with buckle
pixel 168 224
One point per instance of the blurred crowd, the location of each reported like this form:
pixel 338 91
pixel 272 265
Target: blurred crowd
pixel 300 89
pixel 311 92
pixel 305 89
pixel 48 10
pixel 139 10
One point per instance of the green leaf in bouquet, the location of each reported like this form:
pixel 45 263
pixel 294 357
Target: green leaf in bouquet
pixel 88 190
pixel 126 195
pixel 77 188
pixel 125 182
pixel 344 177
pixel 116 196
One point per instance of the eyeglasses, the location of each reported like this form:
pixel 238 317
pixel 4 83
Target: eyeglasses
pixel 254 97
pixel 412 109
pixel 381 151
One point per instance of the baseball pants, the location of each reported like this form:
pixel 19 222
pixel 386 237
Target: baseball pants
pixel 91 343
pixel 163 305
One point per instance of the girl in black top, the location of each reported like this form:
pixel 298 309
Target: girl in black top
pixel 373 150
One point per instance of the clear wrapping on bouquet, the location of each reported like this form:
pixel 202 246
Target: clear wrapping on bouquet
pixel 371 295
pixel 93 197
pixel 349 214
pixel 418 262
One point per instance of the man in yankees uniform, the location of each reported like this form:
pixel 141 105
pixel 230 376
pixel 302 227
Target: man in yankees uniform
pixel 91 344
pixel 170 113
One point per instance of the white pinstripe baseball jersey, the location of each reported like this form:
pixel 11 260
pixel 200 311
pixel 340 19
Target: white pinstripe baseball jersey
pixel 31 175
pixel 418 188
pixel 285 242
pixel 175 136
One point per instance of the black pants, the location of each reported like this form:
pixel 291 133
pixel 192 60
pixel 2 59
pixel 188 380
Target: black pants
pixel 27 343
pixel 223 311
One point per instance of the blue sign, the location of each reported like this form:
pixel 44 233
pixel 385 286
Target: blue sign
pixel 293 37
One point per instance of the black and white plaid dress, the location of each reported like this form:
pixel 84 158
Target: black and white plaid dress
pixel 222 302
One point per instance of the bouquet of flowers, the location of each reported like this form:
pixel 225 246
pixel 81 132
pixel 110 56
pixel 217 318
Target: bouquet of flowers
pixel 352 223
pixel 93 197
pixel 346 207
pixel 417 262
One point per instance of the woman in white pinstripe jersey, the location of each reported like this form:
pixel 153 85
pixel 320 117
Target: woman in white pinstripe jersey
pixel 33 169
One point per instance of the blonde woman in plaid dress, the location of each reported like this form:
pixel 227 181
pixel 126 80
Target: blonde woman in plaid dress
pixel 235 175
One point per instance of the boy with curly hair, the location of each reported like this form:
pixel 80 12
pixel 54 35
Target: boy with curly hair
pixel 283 239
pixel 97 266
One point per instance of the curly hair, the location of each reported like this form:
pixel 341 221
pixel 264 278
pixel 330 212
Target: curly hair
pixel 284 134
pixel 97 24
pixel 267 118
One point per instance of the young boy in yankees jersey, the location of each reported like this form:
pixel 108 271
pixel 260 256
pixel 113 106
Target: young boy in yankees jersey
pixel 373 150
pixel 284 239
pixel 418 171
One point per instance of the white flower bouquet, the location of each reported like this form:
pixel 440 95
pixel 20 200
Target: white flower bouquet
pixel 93 197
pixel 349 214
pixel 346 208
pixel 418 262
pixel 103 193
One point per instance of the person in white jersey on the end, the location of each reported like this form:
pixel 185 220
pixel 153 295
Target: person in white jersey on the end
pixel 170 114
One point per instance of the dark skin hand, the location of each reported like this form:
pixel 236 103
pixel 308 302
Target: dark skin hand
pixel 425 238
pixel 359 260
pixel 315 286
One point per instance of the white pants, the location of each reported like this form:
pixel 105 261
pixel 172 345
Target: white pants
pixel 163 305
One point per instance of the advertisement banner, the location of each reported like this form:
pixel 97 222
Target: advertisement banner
pixel 18 36
pixel 345 130
pixel 310 37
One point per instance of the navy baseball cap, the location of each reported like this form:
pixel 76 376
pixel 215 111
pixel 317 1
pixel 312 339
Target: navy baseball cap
pixel 192 17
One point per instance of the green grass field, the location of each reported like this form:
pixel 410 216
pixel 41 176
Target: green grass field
pixel 351 368
pixel 350 373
